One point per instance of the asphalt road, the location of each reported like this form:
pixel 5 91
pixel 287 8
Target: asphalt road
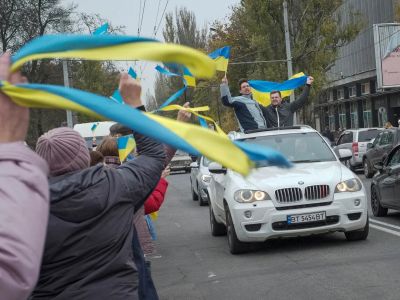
pixel 191 264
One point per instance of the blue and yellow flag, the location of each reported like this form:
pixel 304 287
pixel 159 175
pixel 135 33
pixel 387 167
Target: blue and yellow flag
pixel 132 72
pixel 261 89
pixel 221 57
pixel 177 94
pixel 112 47
pixel 189 78
pixel 94 126
pixel 126 144
pixel 101 30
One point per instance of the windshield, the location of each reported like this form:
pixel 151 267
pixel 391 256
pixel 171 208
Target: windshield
pixel 297 147
pixel 368 135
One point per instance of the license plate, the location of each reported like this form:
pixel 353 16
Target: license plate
pixel 306 218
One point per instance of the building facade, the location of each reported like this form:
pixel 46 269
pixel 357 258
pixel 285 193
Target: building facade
pixel 351 99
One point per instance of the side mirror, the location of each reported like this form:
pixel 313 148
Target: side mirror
pixel 194 165
pixel 345 154
pixel 216 168
pixel 370 145
pixel 378 166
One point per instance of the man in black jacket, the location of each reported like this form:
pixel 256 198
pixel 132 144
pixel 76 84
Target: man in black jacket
pixel 280 113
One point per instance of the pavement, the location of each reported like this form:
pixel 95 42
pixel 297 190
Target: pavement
pixel 192 264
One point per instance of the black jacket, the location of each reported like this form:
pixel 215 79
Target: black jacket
pixel 284 111
pixel 88 252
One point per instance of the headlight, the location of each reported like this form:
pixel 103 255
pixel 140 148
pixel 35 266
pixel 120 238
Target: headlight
pixel 249 196
pixel 351 185
pixel 206 178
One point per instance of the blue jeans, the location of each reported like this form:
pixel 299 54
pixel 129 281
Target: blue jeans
pixel 146 289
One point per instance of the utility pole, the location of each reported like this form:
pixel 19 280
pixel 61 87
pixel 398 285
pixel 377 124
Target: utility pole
pixel 66 84
pixel 288 50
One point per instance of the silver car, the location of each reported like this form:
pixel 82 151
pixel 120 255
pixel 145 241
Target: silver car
pixel 199 180
pixel 356 140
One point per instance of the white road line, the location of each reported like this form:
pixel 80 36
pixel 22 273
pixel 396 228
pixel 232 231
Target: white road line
pixel 385 229
pixel 384 224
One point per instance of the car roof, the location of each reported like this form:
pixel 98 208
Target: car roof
pixel 271 132
pixel 363 129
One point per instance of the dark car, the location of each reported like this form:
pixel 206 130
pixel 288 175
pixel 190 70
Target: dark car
pixel 385 186
pixel 379 149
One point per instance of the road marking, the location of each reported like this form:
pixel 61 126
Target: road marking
pixel 385 229
pixel 384 224
pixel 211 274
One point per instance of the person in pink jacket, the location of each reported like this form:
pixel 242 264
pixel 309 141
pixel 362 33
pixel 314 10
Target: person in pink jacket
pixel 24 198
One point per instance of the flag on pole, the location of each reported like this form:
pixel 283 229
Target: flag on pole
pixel 221 57
pixel 126 144
pixel 189 78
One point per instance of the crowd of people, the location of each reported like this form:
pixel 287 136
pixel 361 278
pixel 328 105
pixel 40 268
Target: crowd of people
pixel 76 223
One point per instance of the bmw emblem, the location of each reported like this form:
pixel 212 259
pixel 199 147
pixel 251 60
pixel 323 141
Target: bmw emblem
pixel 301 182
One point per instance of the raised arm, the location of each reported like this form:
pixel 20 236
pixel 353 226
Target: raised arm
pixel 226 97
pixel 299 102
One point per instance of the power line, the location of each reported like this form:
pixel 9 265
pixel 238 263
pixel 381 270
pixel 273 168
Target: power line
pixel 140 9
pixel 257 62
pixel 162 15
pixel 141 21
pixel 155 23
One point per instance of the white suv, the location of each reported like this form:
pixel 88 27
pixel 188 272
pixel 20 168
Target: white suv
pixel 318 195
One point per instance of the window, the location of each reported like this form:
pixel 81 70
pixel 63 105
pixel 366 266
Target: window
pixel 365 88
pixel 367 135
pixel 367 113
pixel 386 138
pixel 353 115
pixel 378 139
pixel 382 116
pixel 331 120
pixel 346 138
pixel 342 116
pixel 340 94
pixel 394 159
pixel 352 91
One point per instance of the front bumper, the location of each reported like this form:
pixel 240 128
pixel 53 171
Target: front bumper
pixel 267 222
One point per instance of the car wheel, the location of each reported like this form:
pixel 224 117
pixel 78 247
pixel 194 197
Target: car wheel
pixel 217 229
pixel 358 235
pixel 367 169
pixel 195 197
pixel 377 209
pixel 235 246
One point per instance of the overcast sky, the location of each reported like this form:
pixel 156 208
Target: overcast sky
pixel 126 12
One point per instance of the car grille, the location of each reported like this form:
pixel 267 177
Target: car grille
pixel 288 195
pixel 314 192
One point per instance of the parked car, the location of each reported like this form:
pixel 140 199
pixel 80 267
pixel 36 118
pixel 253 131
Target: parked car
pixel 102 130
pixel 356 140
pixel 180 162
pixel 377 151
pixel 385 186
pixel 199 180
pixel 318 195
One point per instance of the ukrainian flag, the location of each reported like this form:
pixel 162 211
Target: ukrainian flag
pixel 261 89
pixel 221 57
pixel 101 30
pixel 189 78
pixel 126 144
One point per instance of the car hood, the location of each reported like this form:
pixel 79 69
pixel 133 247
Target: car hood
pixel 304 174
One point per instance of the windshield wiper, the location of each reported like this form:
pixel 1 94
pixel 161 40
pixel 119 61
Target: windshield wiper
pixel 306 161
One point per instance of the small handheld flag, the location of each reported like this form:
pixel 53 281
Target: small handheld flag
pixel 132 72
pixel 94 126
pixel 189 78
pixel 126 144
pixel 221 57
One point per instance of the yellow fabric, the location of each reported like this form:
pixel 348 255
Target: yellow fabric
pixel 199 64
pixel 154 215
pixel 215 146
pixel 130 146
pixel 221 63
pixel 190 80
pixel 265 99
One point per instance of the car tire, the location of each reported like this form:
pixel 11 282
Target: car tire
pixel 195 197
pixel 358 235
pixel 217 229
pixel 235 246
pixel 377 209
pixel 368 172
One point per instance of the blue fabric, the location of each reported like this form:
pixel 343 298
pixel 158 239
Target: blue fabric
pixel 101 30
pixel 166 72
pixel 173 97
pixel 117 96
pixel 65 42
pixel 151 227
pixel 260 153
pixel 132 72
pixel 202 122
pixel 269 86
pixel 224 52
pixel 125 115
